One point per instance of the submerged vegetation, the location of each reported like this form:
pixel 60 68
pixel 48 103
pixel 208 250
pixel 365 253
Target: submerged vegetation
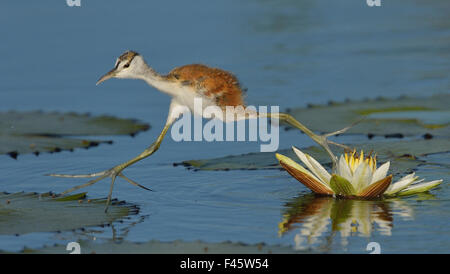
pixel 38 132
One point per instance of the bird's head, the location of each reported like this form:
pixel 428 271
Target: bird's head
pixel 129 65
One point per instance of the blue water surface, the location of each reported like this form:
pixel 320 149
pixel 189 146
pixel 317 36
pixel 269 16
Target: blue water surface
pixel 287 53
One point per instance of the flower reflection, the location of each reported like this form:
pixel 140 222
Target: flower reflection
pixel 313 216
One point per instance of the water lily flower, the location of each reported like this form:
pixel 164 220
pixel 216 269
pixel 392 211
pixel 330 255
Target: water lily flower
pixel 355 176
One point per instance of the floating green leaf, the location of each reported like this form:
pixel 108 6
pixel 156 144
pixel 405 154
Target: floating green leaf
pixel 175 247
pixel 36 132
pixel 22 213
pixel 389 117
pixel 404 156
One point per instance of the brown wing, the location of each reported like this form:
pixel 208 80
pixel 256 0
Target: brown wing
pixel 220 85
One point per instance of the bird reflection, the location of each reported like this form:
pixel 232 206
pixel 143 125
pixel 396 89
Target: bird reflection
pixel 313 216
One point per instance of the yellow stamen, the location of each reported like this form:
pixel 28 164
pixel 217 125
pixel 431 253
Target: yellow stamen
pixel 370 163
pixel 352 163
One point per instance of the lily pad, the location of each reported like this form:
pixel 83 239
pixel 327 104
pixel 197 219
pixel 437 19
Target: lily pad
pixel 175 247
pixel 386 117
pixel 404 156
pixel 22 213
pixel 36 132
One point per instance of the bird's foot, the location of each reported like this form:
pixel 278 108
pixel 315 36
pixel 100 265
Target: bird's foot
pixel 325 137
pixel 113 173
pixel 323 141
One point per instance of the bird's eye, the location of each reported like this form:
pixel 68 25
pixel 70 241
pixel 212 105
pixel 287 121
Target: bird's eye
pixel 126 65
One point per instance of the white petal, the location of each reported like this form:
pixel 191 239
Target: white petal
pixel 313 166
pixel 422 187
pixel 300 168
pixel 300 155
pixel 409 176
pixel 400 185
pixel 343 169
pixel 362 177
pixel 380 173
pixel 319 169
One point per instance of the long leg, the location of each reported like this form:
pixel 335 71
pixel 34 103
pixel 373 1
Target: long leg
pixel 174 112
pixel 319 139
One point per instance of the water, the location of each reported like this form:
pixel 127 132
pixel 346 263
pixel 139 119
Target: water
pixel 287 53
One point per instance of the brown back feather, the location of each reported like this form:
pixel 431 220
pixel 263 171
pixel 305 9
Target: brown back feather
pixel 220 85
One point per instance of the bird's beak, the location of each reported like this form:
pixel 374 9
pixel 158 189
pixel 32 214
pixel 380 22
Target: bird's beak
pixel 107 76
